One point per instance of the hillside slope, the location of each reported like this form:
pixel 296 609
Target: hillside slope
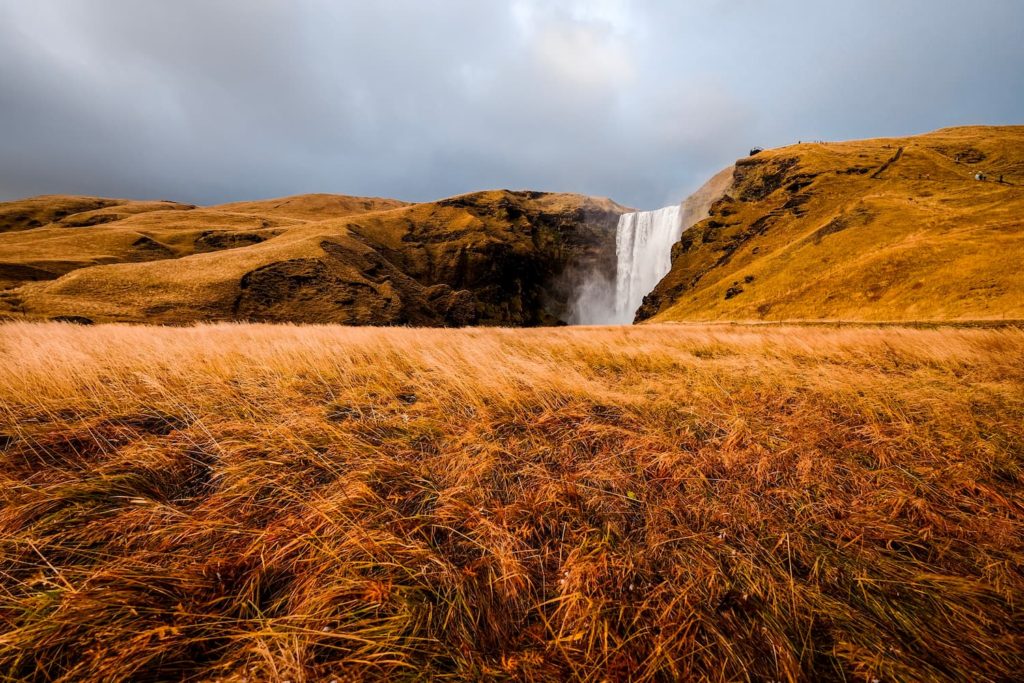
pixel 494 257
pixel 888 229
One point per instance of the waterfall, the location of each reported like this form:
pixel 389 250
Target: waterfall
pixel 643 247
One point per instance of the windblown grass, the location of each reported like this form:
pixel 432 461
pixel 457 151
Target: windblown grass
pixel 250 502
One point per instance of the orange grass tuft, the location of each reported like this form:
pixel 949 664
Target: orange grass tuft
pixel 244 502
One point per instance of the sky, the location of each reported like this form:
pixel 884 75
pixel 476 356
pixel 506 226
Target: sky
pixel 207 101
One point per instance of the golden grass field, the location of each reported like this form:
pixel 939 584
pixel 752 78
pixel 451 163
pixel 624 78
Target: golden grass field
pixel 243 502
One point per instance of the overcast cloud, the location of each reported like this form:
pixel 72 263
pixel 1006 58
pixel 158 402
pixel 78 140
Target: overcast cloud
pixel 208 101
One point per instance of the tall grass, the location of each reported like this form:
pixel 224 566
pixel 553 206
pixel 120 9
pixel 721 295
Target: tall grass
pixel 245 502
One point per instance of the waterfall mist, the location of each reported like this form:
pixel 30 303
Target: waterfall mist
pixel 643 249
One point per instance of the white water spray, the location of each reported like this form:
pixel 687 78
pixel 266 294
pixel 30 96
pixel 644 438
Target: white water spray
pixel 643 249
pixel 643 246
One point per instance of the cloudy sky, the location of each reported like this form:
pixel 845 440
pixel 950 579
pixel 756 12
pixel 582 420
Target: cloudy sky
pixel 215 100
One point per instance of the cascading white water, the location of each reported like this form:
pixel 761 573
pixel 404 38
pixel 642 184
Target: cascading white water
pixel 643 246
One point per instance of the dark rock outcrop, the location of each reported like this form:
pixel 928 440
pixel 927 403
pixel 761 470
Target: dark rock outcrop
pixel 487 258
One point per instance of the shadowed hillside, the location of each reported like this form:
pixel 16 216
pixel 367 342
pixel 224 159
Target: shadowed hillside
pixel 70 211
pixel 497 257
pixel 889 229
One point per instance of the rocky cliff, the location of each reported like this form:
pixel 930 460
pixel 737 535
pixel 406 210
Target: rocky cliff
pixel 495 258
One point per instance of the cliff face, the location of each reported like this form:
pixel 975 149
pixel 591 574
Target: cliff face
pixel 497 258
pixel 518 252
pixel 889 229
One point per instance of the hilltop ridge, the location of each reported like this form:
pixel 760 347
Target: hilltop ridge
pixel 874 230
pixel 888 229
pixel 493 257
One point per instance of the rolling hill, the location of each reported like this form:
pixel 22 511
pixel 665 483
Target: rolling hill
pixel 874 230
pixel 895 229
pixel 495 257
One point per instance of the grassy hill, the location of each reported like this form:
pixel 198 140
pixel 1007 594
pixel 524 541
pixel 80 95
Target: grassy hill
pixel 74 211
pixel 494 257
pixel 245 502
pixel 876 230
pixel 888 229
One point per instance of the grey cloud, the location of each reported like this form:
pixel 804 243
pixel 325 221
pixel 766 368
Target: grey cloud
pixel 214 101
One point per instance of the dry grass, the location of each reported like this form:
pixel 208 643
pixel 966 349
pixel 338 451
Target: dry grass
pixel 727 503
